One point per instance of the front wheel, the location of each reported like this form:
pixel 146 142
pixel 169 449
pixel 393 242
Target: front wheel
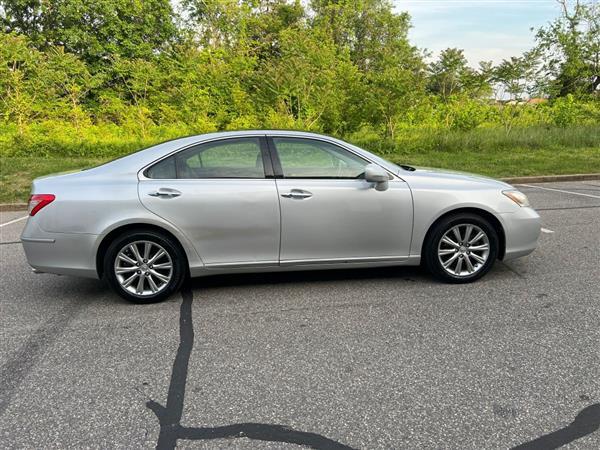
pixel 144 266
pixel 461 248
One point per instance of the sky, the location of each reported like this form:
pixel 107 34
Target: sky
pixel 487 30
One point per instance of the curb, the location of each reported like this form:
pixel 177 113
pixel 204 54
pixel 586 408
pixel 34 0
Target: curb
pixel 553 178
pixel 13 207
pixel 514 180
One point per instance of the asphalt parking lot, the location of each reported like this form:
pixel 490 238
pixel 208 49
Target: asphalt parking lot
pixel 345 359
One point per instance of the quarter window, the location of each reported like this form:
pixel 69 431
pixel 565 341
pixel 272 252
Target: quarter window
pixel 163 170
pixel 308 158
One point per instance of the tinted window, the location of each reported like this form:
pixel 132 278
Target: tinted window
pixel 306 158
pixel 230 158
pixel 163 170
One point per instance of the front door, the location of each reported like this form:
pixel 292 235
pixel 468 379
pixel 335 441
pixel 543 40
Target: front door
pixel 218 195
pixel 330 214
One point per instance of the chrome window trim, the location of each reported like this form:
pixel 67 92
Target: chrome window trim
pixel 331 142
pixel 141 175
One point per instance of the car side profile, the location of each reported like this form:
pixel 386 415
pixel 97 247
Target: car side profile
pixel 257 201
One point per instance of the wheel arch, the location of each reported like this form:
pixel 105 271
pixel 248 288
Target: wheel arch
pixel 106 240
pixel 494 221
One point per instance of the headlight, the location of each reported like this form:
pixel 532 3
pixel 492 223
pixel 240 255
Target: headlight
pixel 518 197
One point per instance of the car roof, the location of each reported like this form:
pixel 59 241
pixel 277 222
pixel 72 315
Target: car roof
pixel 142 158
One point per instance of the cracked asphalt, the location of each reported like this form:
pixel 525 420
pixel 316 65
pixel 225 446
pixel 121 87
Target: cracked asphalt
pixel 384 358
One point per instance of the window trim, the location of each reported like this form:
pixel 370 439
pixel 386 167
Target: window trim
pixel 264 150
pixel 278 168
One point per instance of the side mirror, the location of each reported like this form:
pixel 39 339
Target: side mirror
pixel 378 175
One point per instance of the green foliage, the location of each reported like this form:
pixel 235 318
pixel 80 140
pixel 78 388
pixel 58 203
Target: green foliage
pixel 517 76
pixel 331 66
pixel 570 47
pixel 19 68
pixel 92 30
pixel 104 78
pixel 450 76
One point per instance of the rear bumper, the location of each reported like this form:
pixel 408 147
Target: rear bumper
pixel 522 230
pixel 60 253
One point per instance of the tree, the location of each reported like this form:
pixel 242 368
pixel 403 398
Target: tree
pixel 251 24
pixel 308 82
pixel 451 75
pixel 570 49
pixel 365 27
pixel 142 81
pixel 92 30
pixel 391 69
pixel 395 85
pixel 19 64
pixel 516 78
pixel 70 81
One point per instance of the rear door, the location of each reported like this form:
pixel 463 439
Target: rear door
pixel 329 213
pixel 222 195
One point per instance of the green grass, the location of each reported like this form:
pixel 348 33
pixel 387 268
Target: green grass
pixel 16 173
pixel 512 163
pixel 52 147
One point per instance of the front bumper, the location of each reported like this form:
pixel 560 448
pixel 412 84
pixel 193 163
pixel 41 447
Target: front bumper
pixel 522 230
pixel 60 253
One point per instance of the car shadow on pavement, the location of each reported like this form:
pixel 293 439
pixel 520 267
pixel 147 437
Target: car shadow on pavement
pixel 400 273
pixel 169 416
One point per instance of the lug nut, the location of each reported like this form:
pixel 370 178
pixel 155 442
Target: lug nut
pixel 139 271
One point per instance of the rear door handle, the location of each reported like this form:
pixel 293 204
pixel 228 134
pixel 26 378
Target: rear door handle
pixel 165 193
pixel 298 194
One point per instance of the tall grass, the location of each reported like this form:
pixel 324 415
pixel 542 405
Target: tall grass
pixel 53 146
pixel 56 139
pixel 415 141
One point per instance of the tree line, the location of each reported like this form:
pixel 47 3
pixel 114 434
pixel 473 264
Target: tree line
pixel 343 67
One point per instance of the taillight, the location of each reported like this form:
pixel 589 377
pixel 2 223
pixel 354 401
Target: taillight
pixel 38 201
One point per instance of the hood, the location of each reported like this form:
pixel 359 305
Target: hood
pixel 453 175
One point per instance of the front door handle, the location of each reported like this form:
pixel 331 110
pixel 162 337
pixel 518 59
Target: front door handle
pixel 165 193
pixel 298 194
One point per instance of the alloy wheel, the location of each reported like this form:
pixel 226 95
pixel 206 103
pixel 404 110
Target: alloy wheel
pixel 463 250
pixel 143 268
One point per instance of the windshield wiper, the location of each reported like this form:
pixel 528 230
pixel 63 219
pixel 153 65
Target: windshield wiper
pixel 407 167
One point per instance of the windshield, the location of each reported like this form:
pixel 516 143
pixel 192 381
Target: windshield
pixel 383 162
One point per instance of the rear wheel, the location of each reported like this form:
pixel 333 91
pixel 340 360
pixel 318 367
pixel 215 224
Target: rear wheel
pixel 461 248
pixel 144 266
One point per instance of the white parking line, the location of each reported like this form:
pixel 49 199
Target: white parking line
pixel 547 231
pixel 560 190
pixel 13 221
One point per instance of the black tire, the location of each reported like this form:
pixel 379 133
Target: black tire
pixel 430 249
pixel 177 258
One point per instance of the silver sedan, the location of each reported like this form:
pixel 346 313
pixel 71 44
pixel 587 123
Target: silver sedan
pixel 267 201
